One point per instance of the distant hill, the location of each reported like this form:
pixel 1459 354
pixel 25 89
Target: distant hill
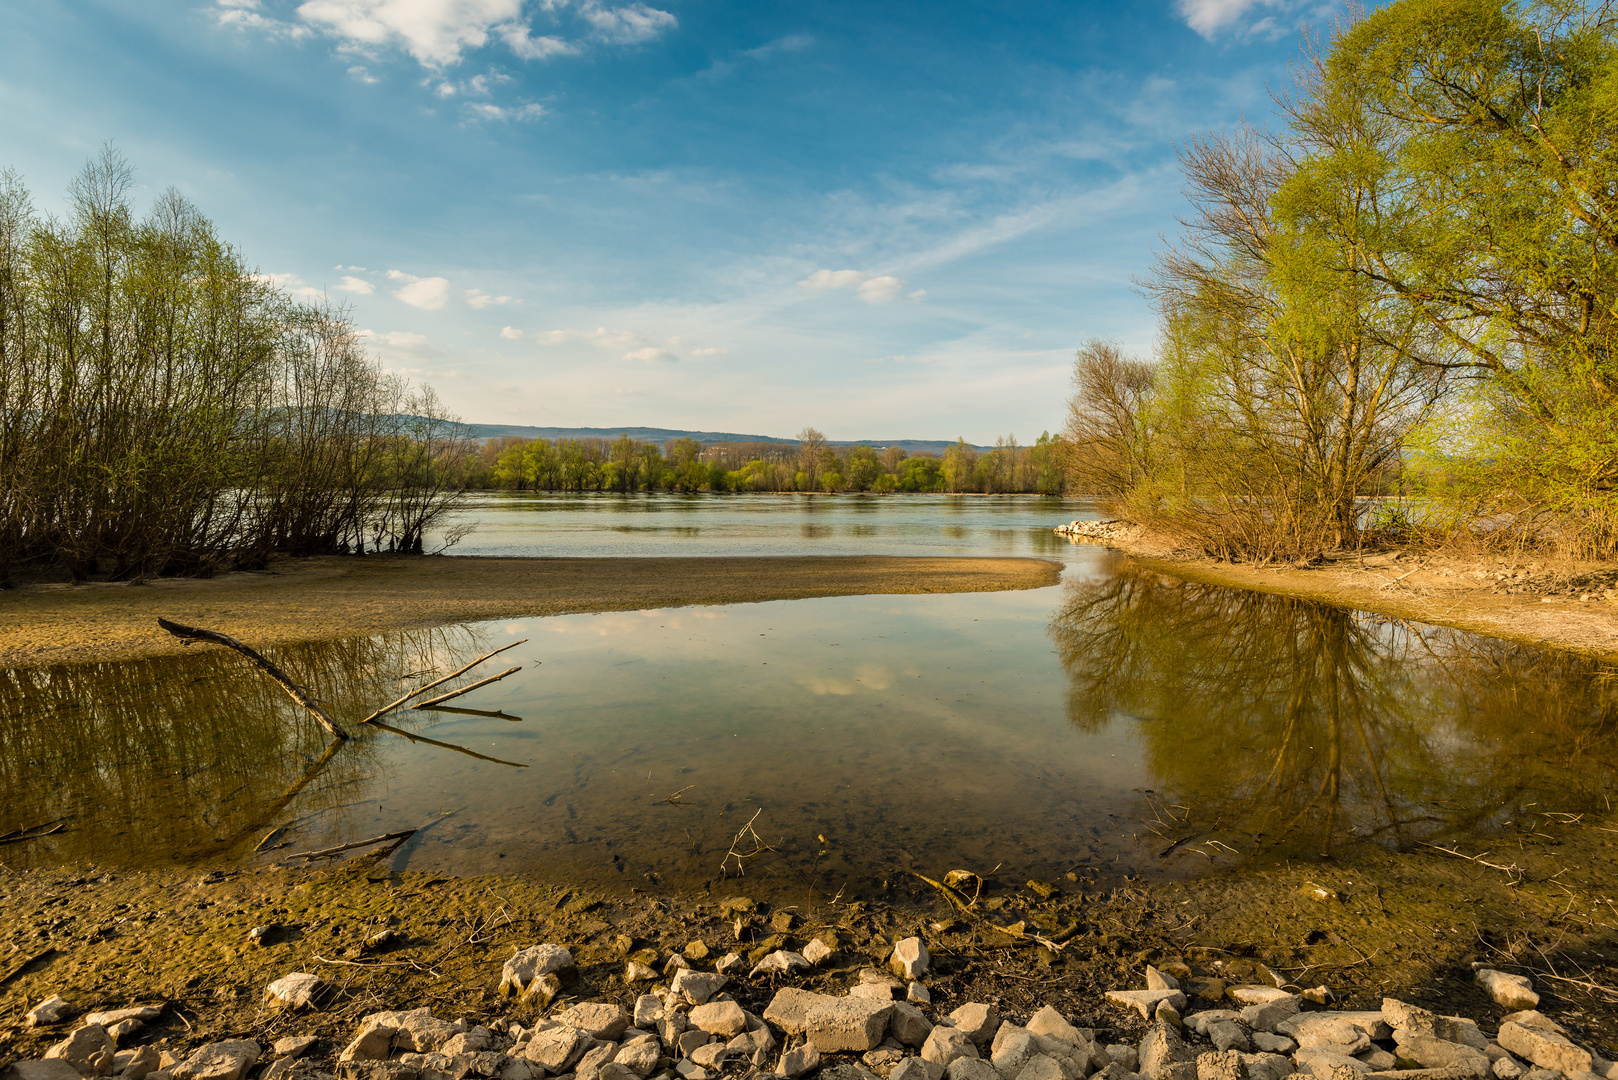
pixel 662 435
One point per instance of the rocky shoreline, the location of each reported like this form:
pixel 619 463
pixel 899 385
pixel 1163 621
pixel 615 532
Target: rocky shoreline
pixel 686 1017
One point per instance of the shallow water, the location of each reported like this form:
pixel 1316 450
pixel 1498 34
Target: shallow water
pixel 1121 724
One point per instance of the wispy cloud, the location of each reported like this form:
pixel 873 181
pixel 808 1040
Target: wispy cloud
pixel 428 294
pixel 872 288
pixel 477 298
pixel 627 25
pixel 358 286
pixel 1210 18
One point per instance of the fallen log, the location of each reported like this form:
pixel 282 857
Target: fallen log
pixel 297 693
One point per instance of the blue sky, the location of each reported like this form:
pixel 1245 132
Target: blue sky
pixel 879 219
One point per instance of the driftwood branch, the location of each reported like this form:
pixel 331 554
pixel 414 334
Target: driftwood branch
pixel 430 702
pixel 413 737
pixel 324 852
pixel 296 692
pixel 384 710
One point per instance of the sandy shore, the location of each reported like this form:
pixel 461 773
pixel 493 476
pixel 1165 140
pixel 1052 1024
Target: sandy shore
pixel 324 598
pixel 1559 603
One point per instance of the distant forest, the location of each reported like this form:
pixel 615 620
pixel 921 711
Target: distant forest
pixel 809 464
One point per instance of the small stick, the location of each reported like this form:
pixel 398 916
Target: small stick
pixel 322 853
pixel 29 828
pixel 448 746
pixel 297 692
pixel 384 710
pixel 271 835
pixel 430 702
pixel 31 836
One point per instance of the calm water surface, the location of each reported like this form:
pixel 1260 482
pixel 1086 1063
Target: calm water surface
pixel 1121 724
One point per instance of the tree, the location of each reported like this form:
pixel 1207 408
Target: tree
pixel 811 447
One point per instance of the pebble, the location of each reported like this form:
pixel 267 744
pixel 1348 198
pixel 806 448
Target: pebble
pixel 910 960
pixel 53 1010
pixel 525 968
pixel 1510 991
pixel 917 994
pixel 298 990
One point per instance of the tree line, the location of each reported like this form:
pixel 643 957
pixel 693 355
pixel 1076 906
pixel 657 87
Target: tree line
pixel 163 409
pixel 810 465
pixel 1409 287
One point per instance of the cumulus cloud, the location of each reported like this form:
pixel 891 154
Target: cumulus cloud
pixel 477 298
pixel 356 285
pixel 873 289
pixel 1212 17
pixel 627 25
pixel 249 15
pixel 293 285
pixel 485 110
pixel 651 355
pixel 429 294
pixel 520 39
pixel 710 352
pixel 400 339
pixel 511 333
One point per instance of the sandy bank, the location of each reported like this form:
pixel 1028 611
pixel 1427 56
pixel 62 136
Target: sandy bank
pixel 331 597
pixel 1559 603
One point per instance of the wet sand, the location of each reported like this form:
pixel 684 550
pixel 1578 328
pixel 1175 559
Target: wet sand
pixel 331 597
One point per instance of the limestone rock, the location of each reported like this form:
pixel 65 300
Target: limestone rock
pixel 1266 1066
pixel 754 1045
pixel 1199 1022
pixel 915 1068
pixel 299 990
pixel 690 1040
pixel 781 962
pixel 1533 1018
pixel 598 1020
pixel 557 1048
pixel 816 951
pixel 1227 1035
pixel 696 986
pixel 876 991
pixel 143 1061
pixel 966 1068
pixel 83 1047
pixel 371 1043
pixel 790 1006
pixel 226 1060
pixel 1123 1054
pixel 1508 1068
pixel 1273 1044
pixel 711 1055
pixel 1041 1067
pixel 1221 1065
pixel 49 1069
pixel 909 1025
pixel 1334 1035
pixel 910 959
pixel 520 972
pixel 1013 1048
pixel 1256 994
pixel 647 1008
pixel 1510 991
pixel 848 1023
pixel 143 1013
pixel 977 1022
pixel 944 1044
pixel 53 1010
pixel 1329 1066
pixel 1145 1001
pixel 1156 980
pixel 1371 1025
pixel 730 964
pixel 917 994
pixel 1268 1016
pixel 639 1058
pixel 1546 1048
pixel 294 1046
pixel 690 1070
pixel 417 1030
pixel 1161 1049
pixel 1431 1052
pixel 1048 1021
pixel 797 1061
pixel 635 972
pixel 722 1018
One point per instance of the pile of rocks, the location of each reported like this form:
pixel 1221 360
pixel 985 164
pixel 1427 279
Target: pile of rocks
pixel 689 1028
pixel 1111 530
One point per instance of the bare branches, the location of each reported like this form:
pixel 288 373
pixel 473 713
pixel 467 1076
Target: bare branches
pixel 296 692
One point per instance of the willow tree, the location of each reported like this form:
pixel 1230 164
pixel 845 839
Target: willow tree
pixel 1461 161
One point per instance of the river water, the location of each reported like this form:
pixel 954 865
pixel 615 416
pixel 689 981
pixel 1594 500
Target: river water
pixel 1120 725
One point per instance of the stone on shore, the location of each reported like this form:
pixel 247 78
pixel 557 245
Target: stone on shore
pixel 1546 1048
pixel 1164 1055
pixel 848 1023
pixel 53 1010
pixel 781 962
pixel 49 1069
pixel 294 1046
pixel 557 1048
pixel 1048 1021
pixel 299 990
pixel 944 1044
pixel 1513 992
pixel 917 994
pixel 527 966
pixel 83 1048
pixel 790 1007
pixel 797 1061
pixel 967 1068
pixel 816 951
pixel 910 960
pixel 1431 1052
pixel 976 1021
pixel 909 1025
pixel 723 1018
pixel 144 1013
pixel 1156 980
pixel 597 1020
pixel 915 1068
pixel 1146 1001
pixel 696 986
pixel 226 1060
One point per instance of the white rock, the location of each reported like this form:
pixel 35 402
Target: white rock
pixel 909 1025
pixel 730 964
pixel 1509 991
pixel 1257 994
pixel 848 1023
pixel 294 1046
pixel 945 1044
pixel 635 971
pixel 816 951
pixel 789 1009
pixel 83 1047
pixel 910 959
pixel 1156 980
pixel 965 1068
pixel 1146 1001
pixel 647 1008
pixel 917 994
pixel 53 1010
pixel 298 990
pixel 798 1060
pixel 696 986
pixel 722 1018
pixel 226 1060
pixel 1545 1048
pixel 977 1022
pixel 520 972
pixel 780 962
pixel 52 1069
pixel 145 1013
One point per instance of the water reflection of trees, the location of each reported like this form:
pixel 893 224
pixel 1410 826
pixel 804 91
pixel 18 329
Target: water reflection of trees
pixel 173 760
pixel 1273 723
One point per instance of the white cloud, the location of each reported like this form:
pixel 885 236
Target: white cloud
pixel 789 43
pixel 881 290
pixel 245 15
pixel 832 279
pixel 1210 17
pixel 429 294
pixel 356 285
pixel 294 286
pixel 520 40
pixel 485 110
pixel 710 352
pixel 402 339
pixel 435 32
pixel 364 76
pixel 477 298
pixel 627 25
pixel 510 333
pixel 651 355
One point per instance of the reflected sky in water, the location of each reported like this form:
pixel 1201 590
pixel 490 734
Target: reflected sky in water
pixel 1123 723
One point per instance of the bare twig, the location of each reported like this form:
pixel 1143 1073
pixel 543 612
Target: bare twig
pixel 447 746
pixel 430 702
pixel 759 847
pixel 326 852
pixel 384 710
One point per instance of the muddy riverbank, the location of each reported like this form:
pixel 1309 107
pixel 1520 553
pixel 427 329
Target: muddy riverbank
pixel 1561 603
pixel 1407 924
pixel 324 598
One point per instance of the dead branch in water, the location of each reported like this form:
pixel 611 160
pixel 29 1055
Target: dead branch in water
pixel 958 901
pixel 384 710
pixel 447 746
pixel 328 852
pixel 430 702
pixel 759 846
pixel 298 694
